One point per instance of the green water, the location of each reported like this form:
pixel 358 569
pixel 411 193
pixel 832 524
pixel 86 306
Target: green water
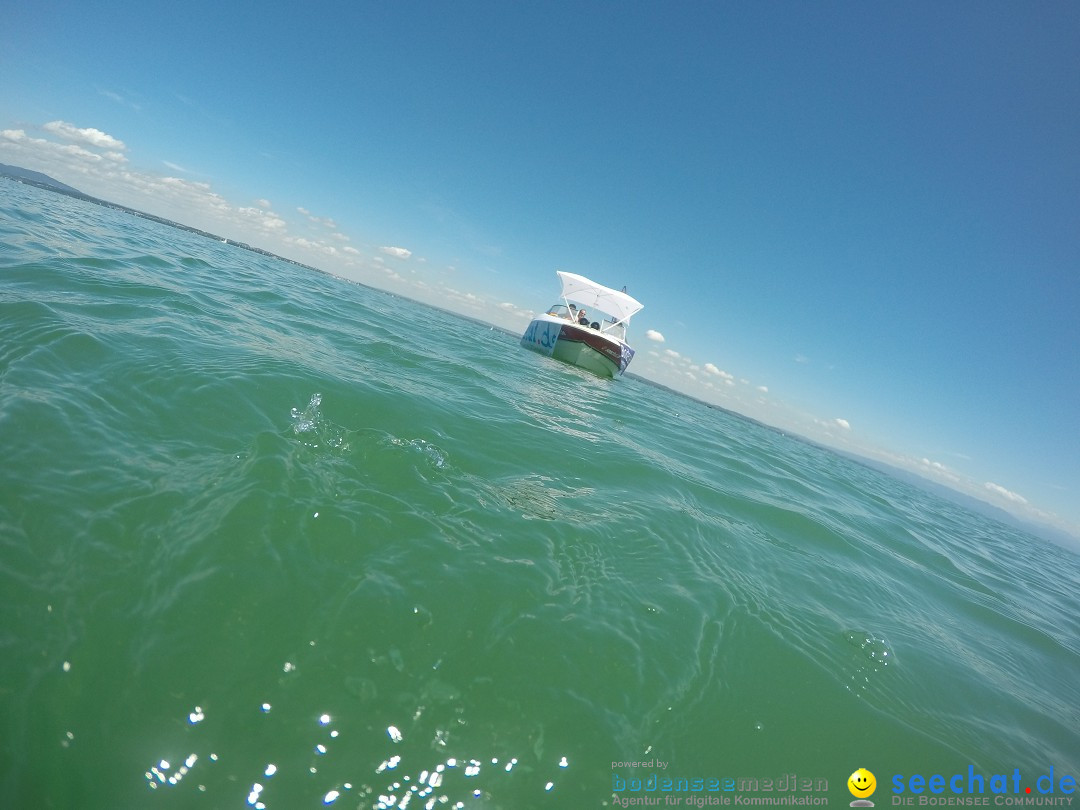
pixel 268 538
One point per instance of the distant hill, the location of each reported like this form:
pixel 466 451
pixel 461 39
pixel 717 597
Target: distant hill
pixel 37 179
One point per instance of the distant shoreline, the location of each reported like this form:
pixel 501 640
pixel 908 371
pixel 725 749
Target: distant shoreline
pixel 46 183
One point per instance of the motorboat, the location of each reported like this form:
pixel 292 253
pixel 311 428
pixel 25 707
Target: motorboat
pixel 587 328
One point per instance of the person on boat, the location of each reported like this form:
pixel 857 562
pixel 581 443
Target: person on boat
pixel 582 317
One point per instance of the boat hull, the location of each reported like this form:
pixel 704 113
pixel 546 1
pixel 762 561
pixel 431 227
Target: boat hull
pixel 580 346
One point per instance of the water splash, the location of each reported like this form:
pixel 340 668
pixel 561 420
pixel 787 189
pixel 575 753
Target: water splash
pixel 307 421
pixel 878 655
pixel 315 428
pixel 876 650
pixel 432 454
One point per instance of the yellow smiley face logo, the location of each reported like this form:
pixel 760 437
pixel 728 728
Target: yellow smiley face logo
pixel 861 783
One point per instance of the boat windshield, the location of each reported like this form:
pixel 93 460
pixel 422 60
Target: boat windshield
pixel 607 325
pixel 613 328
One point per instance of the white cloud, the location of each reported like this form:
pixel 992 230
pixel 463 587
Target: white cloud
pixel 729 379
pixel 652 334
pixel 313 245
pixel 264 203
pixel 119 99
pixel 326 222
pixel 89 135
pixel 997 489
pixel 516 311
pixel 396 252
pixel 842 423
pixel 672 354
pixel 264 220
pixel 933 465
pixel 765 389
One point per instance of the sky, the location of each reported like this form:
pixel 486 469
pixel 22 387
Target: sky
pixel 856 221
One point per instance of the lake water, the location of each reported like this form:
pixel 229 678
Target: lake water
pixel 273 539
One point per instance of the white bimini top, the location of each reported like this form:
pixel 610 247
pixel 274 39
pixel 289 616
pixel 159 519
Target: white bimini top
pixel 596 296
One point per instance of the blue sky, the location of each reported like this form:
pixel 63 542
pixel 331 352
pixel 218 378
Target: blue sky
pixel 859 221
